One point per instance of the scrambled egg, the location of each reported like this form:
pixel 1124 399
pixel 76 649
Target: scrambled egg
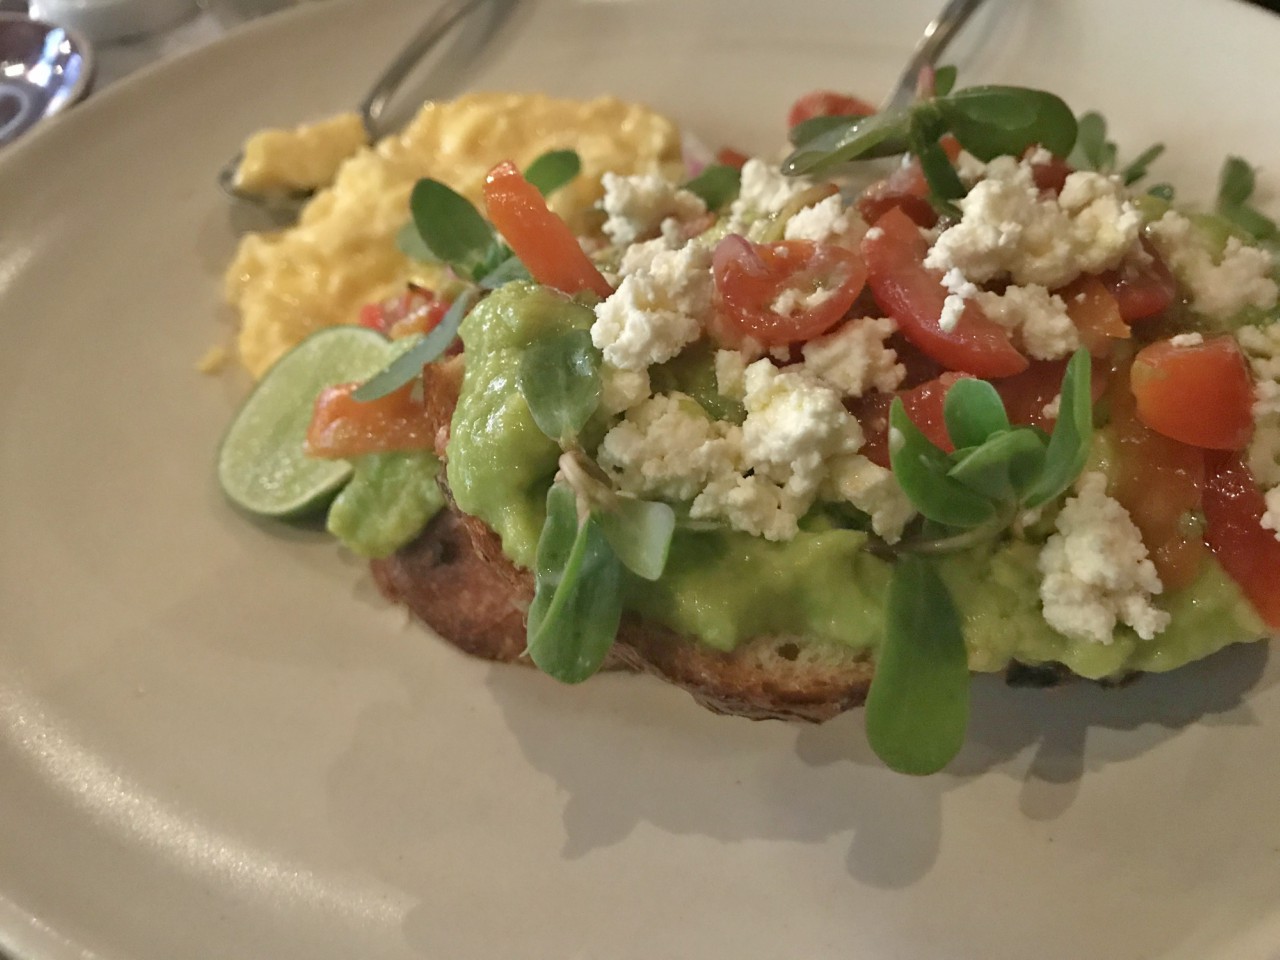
pixel 304 158
pixel 342 253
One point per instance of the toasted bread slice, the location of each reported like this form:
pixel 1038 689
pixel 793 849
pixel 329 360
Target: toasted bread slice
pixel 455 578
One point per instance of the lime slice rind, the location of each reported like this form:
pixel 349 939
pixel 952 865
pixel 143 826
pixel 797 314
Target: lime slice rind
pixel 262 466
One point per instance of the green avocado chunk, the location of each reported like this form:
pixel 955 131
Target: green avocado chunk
pixel 390 498
pixel 723 587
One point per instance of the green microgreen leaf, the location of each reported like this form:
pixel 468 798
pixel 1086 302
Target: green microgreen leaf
pixel 944 80
pixel 1235 188
pixel 560 379
pixel 1136 169
pixel 918 705
pixel 1092 150
pixel 639 531
pixel 409 364
pixel 806 130
pixel 410 243
pixel 921 470
pixel 509 270
pixel 1002 466
pixel 973 411
pixel 1069 444
pixel 1161 191
pixel 717 185
pixel 861 138
pixel 577 601
pixel 553 170
pixel 450 227
pixel 994 120
pixel 944 183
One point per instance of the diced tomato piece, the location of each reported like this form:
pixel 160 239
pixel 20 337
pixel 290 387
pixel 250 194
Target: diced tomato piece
pixel 905 188
pixel 1250 553
pixel 343 427
pixel 731 157
pixel 750 278
pixel 1096 314
pixel 827 103
pixel 417 310
pixel 923 404
pixel 1160 482
pixel 1143 288
pixel 541 240
pixel 1026 394
pixel 914 295
pixel 1200 394
pixel 1049 175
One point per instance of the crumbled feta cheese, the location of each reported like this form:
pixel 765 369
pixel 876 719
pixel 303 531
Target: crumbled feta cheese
pixel 969 168
pixel 1271 518
pixel 638 205
pixel 1040 155
pixel 731 369
pixel 657 310
pixel 792 301
pixel 1241 277
pixel 960 289
pixel 1051 409
pixel 794 424
pixel 1040 319
pixel 1262 346
pixel 875 233
pixel 823 222
pixel 752 504
pixel 855 357
pixel 764 192
pixel 668 447
pixel 874 490
pixel 1008 228
pixel 1096 570
pixel 622 389
pixel 639 257
pixel 1187 340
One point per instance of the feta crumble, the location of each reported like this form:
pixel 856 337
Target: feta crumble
pixel 959 289
pixel 621 390
pixel 1008 228
pixel 668 447
pixel 823 222
pixel 1241 277
pixel 1187 340
pixel 638 205
pixel 1096 570
pixel 1039 318
pixel 1262 346
pixel 874 490
pixel 763 193
pixel 855 357
pixel 657 310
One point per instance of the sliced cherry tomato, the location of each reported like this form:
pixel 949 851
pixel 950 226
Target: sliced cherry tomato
pixel 417 310
pixel 543 242
pixel 914 295
pixel 343 427
pixel 923 404
pixel 827 103
pixel 1142 288
pixel 1250 553
pixel 905 188
pixel 751 277
pixel 1049 175
pixel 1026 394
pixel 731 157
pixel 1201 394
pixel 1160 482
pixel 1095 313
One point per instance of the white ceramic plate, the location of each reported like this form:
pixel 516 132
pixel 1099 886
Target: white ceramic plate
pixel 215 741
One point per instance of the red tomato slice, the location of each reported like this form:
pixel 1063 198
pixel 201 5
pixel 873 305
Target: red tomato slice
pixel 543 242
pixel 1159 481
pixel 905 188
pixel 827 103
pixel 1096 314
pixel 913 295
pixel 1233 509
pixel 417 310
pixel 1049 175
pixel 749 278
pixel 1201 395
pixel 342 427
pixel 731 157
pixel 923 404
pixel 1142 289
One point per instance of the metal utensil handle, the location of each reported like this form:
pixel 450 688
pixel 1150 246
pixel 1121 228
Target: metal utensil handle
pixel 937 37
pixel 423 42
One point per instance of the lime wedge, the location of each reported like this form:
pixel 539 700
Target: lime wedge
pixel 262 466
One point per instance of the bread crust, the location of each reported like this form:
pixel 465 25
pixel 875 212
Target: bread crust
pixel 455 578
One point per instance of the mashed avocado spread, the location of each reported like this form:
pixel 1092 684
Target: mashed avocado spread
pixel 724 586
